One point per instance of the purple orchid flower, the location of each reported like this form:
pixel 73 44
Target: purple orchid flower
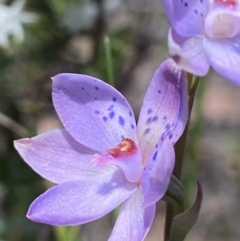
pixel 204 33
pixel 102 159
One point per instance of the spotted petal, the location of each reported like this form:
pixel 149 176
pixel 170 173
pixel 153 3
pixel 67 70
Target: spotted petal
pixel 134 221
pixel 187 17
pixel 78 202
pixel 93 112
pixel 157 172
pixel 164 106
pixel 226 65
pixel 56 156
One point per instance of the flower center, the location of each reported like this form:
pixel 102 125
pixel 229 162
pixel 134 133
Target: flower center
pixel 125 148
pixel 227 2
pixel 225 26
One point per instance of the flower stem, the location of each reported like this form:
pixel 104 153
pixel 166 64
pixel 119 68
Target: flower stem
pixel 67 233
pixel 109 64
pixel 179 150
pixel 191 165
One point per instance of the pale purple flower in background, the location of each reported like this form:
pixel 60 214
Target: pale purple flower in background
pixel 204 33
pixel 102 158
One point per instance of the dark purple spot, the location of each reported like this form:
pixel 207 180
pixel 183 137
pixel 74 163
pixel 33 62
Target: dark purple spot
pixel 168 133
pixel 167 127
pixel 149 111
pixel 170 136
pixel 149 120
pixel 147 131
pixel 159 91
pixel 201 14
pixel 95 98
pixel 105 118
pixel 130 113
pixel 110 107
pixel 132 126
pixel 201 1
pixel 156 146
pixel 96 88
pixel 114 99
pixel 111 114
pixel 196 11
pixel 122 137
pixel 173 124
pixel 155 118
pixel 82 88
pixel 186 4
pixel 124 99
pixel 165 117
pixel 121 120
pixel 96 112
pixel 155 155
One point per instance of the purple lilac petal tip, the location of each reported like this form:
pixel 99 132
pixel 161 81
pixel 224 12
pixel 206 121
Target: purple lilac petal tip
pixel 159 114
pixel 93 112
pixel 134 221
pixel 157 172
pixel 56 156
pixel 78 202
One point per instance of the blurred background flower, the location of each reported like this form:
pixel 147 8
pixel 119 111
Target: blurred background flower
pixel 11 19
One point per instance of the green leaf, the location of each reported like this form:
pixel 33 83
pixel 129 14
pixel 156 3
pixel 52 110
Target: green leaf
pixel 175 193
pixel 183 222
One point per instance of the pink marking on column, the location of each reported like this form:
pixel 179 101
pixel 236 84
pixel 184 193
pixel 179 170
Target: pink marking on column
pixel 231 3
pixel 125 148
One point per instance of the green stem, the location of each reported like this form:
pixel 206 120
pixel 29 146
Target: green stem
pixel 190 177
pixel 109 64
pixel 67 233
pixel 179 150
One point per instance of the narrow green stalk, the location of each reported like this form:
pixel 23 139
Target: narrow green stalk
pixel 179 150
pixel 109 63
pixel 67 233
pixel 191 166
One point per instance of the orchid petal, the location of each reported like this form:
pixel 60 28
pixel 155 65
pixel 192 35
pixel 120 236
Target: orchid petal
pixel 166 97
pixel 226 65
pixel 157 172
pixel 188 53
pixel 222 22
pixel 93 112
pixel 186 17
pixel 78 202
pixel 131 165
pixel 56 156
pixel 134 221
